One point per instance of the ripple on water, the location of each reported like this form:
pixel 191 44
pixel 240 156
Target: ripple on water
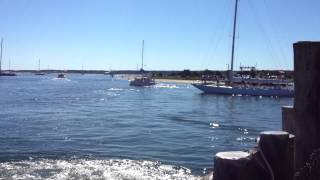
pixel 92 169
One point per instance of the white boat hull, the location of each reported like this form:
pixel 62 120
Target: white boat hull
pixel 228 90
pixel 135 83
pixel 142 81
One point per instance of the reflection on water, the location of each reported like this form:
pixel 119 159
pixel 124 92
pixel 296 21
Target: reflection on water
pixel 64 122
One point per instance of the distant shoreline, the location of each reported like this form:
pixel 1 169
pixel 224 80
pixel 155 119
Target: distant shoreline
pixel 185 76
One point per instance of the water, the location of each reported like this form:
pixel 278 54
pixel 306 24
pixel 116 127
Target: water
pixel 96 127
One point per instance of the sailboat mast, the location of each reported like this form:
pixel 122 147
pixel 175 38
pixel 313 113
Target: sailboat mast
pixel 39 65
pixel 1 53
pixel 233 39
pixel 142 54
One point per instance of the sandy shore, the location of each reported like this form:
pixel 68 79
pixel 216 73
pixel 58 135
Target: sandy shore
pixel 131 77
pixel 177 81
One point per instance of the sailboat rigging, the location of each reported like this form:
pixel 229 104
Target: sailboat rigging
pixel 246 86
pixel 39 73
pixel 143 79
pixel 2 73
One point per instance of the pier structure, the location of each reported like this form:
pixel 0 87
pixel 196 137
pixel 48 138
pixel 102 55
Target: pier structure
pixel 303 118
pixel 284 155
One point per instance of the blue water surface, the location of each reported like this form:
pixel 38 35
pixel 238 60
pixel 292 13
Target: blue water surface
pixel 96 117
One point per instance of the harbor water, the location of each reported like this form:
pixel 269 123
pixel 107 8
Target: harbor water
pixel 98 127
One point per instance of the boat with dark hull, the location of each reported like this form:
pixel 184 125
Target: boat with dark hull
pixel 246 86
pixel 7 74
pixel 4 73
pixel 61 76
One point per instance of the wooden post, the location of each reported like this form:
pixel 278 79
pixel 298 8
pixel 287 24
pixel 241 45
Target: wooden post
pixel 288 119
pixel 307 99
pixel 239 165
pixel 275 146
pixel 291 155
pixel 230 165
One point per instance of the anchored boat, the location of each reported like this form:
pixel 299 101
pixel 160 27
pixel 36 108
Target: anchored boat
pixel 39 73
pixel 61 76
pixel 143 79
pixel 4 73
pixel 246 86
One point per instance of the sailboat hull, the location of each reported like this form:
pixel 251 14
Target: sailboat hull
pixel 7 74
pixel 228 90
pixel 142 81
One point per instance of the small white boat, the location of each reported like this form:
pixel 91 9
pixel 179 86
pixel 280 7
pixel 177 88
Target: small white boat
pixel 142 81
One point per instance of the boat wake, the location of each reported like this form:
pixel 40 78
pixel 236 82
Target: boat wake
pixel 167 86
pixel 60 79
pixel 92 169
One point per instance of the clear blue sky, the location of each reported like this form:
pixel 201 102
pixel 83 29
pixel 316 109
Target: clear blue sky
pixel 178 34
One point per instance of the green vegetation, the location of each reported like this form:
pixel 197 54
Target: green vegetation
pixel 184 74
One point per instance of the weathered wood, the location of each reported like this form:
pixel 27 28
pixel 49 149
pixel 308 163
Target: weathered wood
pixel 291 155
pixel 307 99
pixel 229 165
pixel 311 170
pixel 240 165
pixel 256 169
pixel 276 148
pixel 288 119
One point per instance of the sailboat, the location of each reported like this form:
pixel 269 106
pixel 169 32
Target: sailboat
pixel 39 73
pixel 82 71
pixel 143 79
pixel 246 86
pixel 3 73
pixel 61 76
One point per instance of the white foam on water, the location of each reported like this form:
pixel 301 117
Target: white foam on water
pixel 115 89
pixel 136 90
pixel 246 139
pixel 93 169
pixel 112 94
pixel 243 130
pixel 60 79
pixel 214 125
pixel 168 86
pixel 109 92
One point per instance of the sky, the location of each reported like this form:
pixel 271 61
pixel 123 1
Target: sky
pixel 178 34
